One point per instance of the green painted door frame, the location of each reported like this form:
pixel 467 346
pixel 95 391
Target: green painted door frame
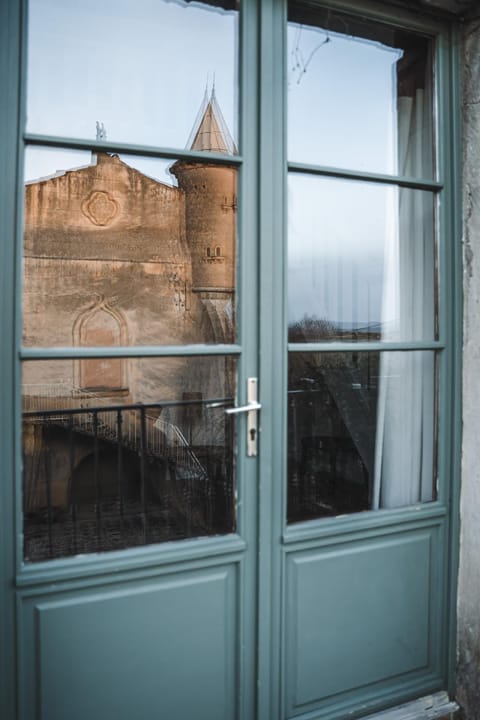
pixel 10 31
pixel 260 572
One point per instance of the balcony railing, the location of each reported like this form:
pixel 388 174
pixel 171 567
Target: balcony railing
pixel 98 476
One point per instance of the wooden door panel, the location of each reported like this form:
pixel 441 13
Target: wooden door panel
pixel 360 615
pixel 158 648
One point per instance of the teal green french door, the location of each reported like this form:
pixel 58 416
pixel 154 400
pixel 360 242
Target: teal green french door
pixel 164 556
pixel 360 592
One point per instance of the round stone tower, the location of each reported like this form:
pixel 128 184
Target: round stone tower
pixel 211 218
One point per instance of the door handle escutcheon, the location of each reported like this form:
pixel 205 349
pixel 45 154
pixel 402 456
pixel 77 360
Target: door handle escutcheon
pixel 251 408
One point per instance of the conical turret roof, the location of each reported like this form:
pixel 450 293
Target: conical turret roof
pixel 210 132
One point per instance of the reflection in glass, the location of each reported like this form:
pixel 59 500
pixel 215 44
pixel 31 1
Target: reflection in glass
pixel 361 261
pixel 130 71
pixel 128 251
pixel 360 432
pixel 142 455
pixel 359 93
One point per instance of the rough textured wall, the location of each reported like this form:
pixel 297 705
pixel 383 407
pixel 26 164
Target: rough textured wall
pixel 468 675
pixel 211 205
pixel 105 236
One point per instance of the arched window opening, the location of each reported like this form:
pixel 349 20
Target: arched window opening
pixel 101 327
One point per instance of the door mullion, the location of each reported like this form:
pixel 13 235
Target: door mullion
pixel 272 351
pixel 247 307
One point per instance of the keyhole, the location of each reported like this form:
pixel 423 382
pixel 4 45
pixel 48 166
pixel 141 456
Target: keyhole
pixel 253 432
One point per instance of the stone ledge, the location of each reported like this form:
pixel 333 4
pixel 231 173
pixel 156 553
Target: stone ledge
pixel 431 707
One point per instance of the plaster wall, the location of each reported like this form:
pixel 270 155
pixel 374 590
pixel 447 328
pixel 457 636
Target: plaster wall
pixel 468 670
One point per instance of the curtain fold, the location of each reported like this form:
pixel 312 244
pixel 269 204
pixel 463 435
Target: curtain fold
pixel 404 445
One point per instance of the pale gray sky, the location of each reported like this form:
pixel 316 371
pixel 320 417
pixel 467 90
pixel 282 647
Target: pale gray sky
pixel 139 66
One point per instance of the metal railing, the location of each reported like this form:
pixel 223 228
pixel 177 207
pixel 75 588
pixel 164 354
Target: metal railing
pixel 138 430
pixel 101 476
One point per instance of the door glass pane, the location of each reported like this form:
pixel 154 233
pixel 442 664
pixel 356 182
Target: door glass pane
pixel 359 93
pixel 361 261
pixel 122 452
pixel 131 70
pixel 361 432
pixel 128 251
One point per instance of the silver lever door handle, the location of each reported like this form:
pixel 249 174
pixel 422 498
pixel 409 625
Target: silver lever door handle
pixel 243 408
pixel 251 409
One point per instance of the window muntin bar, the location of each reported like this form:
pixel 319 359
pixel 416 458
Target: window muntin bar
pixel 369 346
pixel 133 58
pixel 359 93
pixel 124 351
pixel 379 178
pixel 153 151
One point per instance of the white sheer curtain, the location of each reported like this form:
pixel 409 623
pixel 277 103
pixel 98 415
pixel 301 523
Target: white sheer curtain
pixel 405 412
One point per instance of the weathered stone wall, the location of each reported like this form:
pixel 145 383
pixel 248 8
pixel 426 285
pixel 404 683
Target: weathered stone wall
pixel 210 204
pixel 107 235
pixel 468 671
